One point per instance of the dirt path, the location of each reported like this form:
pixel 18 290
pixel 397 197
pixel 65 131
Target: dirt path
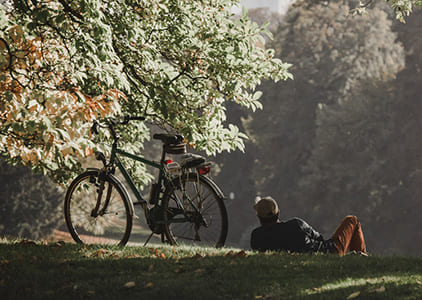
pixel 59 235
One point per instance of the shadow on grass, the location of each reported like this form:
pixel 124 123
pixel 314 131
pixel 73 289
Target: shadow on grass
pixel 77 272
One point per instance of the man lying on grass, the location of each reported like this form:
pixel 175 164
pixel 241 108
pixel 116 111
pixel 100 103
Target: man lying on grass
pixel 296 235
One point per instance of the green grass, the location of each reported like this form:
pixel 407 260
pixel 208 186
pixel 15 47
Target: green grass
pixel 37 270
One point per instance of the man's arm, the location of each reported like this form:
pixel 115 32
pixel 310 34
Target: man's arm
pixel 309 231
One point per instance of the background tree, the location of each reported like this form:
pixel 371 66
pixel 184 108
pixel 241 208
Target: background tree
pixel 366 156
pixel 332 54
pixel 30 203
pixel 297 144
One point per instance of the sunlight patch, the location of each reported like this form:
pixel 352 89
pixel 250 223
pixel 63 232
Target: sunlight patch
pixel 351 282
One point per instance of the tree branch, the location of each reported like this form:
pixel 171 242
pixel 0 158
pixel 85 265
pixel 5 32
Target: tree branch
pixel 72 12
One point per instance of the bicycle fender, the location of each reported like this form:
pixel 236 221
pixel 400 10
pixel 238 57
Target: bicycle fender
pixel 215 186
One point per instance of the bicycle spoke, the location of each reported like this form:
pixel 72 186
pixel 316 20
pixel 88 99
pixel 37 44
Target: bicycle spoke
pixel 108 225
pixel 206 217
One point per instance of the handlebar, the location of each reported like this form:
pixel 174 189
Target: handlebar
pixel 133 118
pixel 111 122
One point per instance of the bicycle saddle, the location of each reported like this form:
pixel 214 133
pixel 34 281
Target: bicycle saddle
pixel 169 138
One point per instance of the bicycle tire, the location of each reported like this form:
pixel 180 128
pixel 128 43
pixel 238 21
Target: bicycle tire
pixel 210 210
pixel 113 227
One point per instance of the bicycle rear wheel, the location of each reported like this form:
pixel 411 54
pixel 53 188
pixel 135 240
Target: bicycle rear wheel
pixel 194 212
pixel 89 218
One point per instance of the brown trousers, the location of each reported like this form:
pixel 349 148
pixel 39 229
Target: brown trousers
pixel 349 236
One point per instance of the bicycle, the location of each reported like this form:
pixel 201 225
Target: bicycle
pixel 184 205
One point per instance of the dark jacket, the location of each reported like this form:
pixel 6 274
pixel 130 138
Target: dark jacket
pixel 294 235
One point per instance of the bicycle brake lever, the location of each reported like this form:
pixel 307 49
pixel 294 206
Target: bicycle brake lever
pixel 126 120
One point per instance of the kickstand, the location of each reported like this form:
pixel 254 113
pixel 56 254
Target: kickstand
pixel 150 236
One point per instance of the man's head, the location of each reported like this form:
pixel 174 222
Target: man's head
pixel 267 210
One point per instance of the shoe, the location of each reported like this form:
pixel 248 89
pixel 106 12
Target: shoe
pixel 357 253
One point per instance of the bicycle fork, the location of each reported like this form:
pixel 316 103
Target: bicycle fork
pixel 96 211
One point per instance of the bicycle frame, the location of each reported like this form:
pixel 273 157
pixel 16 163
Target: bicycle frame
pixel 115 159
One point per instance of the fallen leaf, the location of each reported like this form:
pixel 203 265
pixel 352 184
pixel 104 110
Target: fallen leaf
pixel 418 282
pixel 5 262
pixel 380 290
pixel 198 256
pixel 101 252
pixel 353 295
pixel 27 243
pixel 199 271
pixel 129 284
pixel 241 254
pixel 163 255
pixel 60 244
pixel 318 289
pixel 149 285
pixel 115 255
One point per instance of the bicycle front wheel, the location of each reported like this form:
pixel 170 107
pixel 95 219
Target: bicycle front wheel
pixel 194 212
pixel 97 211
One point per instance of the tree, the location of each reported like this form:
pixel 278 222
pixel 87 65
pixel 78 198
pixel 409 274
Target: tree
pixel 332 55
pixel 346 140
pixel 30 203
pixel 366 156
pixel 66 62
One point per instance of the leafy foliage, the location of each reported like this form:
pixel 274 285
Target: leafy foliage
pixel 66 62
pixel 403 8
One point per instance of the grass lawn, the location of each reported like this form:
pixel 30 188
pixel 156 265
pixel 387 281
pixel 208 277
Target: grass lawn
pixel 39 270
